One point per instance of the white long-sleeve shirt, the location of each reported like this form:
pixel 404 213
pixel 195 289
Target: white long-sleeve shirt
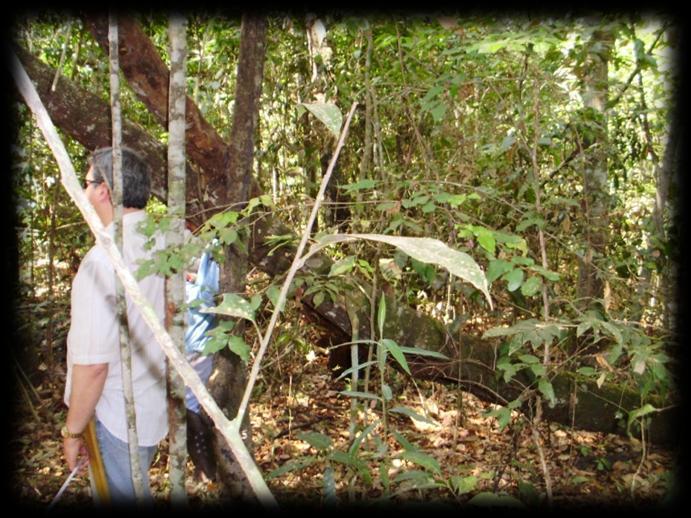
pixel 94 337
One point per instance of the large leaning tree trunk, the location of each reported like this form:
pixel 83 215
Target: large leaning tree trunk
pixel 471 361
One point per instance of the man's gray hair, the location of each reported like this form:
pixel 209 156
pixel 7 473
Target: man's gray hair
pixel 135 172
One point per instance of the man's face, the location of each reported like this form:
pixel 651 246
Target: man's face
pixel 98 195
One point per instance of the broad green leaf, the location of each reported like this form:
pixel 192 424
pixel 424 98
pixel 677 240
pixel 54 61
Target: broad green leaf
pixel 345 265
pixel 234 306
pixel 239 347
pixel 318 299
pixel 529 358
pixel 486 239
pixel 497 268
pixel 547 274
pixel 514 278
pixel 272 293
pixel 452 199
pixel 531 286
pixel 427 250
pixel 315 439
pixel 463 485
pixel 547 390
pixel 396 352
pixel 328 113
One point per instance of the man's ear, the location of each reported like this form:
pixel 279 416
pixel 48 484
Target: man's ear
pixel 102 192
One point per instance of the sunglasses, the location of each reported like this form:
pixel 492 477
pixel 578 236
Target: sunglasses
pixel 86 182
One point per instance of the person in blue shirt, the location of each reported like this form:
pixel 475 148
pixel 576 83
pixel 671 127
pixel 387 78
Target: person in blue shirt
pixel 200 288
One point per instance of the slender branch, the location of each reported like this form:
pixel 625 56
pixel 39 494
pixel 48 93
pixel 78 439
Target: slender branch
pixel 124 335
pixel 298 262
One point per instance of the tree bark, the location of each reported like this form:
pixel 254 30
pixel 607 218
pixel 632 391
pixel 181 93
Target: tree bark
pixel 230 376
pixel 594 90
pixel 86 118
pixel 148 74
pixel 175 284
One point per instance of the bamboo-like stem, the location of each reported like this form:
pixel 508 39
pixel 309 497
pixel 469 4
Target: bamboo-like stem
pixel 120 302
pixel 177 359
pixel 298 262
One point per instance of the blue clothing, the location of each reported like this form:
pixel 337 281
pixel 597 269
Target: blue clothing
pixel 116 461
pixel 204 287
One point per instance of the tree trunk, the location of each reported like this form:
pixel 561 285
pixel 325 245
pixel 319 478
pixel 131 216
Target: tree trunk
pixel 175 284
pixel 117 190
pixel 230 377
pixel 594 89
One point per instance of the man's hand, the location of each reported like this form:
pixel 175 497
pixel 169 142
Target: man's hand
pixel 73 448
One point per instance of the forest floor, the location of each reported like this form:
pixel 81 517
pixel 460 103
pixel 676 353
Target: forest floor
pixel 583 468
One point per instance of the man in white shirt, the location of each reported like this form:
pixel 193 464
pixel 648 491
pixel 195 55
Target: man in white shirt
pixel 94 375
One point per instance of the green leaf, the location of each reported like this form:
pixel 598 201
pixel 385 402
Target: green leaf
pixel 422 352
pixel 547 274
pixel 396 352
pixel 497 268
pixel 422 459
pixel 529 358
pixel 318 299
pixel 638 413
pixel 328 113
pixel 386 392
pixel 345 265
pixel 239 347
pixel 452 199
pixel 547 390
pixel 358 186
pixel 514 279
pixel 318 441
pixel 233 305
pixel 427 250
pixel 381 315
pixel 462 485
pixel 531 286
pixel 486 239
pixel 537 221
